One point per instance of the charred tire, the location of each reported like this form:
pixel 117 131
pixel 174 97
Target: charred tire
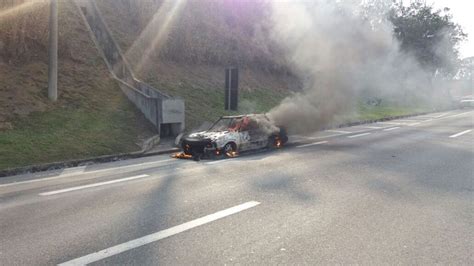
pixel 229 149
pixel 278 140
pixel 274 142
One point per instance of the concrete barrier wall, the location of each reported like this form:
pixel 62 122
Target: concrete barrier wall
pixel 160 109
pixel 149 106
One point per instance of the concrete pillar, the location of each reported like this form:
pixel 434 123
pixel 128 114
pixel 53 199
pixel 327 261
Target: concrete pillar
pixel 53 52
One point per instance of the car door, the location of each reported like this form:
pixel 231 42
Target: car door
pixel 257 137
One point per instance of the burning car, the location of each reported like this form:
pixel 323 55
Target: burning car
pixel 233 134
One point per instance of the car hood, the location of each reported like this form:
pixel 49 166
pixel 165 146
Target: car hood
pixel 208 135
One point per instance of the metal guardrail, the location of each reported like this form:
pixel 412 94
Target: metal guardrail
pixel 163 111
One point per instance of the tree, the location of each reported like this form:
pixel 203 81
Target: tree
pixel 466 70
pixel 429 34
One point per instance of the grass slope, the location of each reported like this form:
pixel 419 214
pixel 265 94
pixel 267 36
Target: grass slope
pixel 92 117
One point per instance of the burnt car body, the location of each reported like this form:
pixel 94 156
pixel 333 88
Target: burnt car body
pixel 233 134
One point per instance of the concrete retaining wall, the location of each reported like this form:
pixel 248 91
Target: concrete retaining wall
pixel 163 111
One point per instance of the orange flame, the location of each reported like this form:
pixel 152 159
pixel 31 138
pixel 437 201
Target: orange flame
pixel 181 155
pixel 278 143
pixel 232 154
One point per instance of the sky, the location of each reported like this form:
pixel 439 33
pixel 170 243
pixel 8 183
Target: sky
pixel 463 14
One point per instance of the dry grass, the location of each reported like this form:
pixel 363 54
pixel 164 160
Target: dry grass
pixel 212 32
pixel 92 116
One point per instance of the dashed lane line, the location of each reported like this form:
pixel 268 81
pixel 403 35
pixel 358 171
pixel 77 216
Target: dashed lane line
pixel 339 131
pixel 311 144
pixel 54 192
pixel 460 133
pixel 441 115
pixel 391 128
pixel 108 252
pixel 359 135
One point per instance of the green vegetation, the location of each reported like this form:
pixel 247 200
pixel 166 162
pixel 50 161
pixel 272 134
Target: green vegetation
pixel 70 133
pixel 369 112
pixel 92 116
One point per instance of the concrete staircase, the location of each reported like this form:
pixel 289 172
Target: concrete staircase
pixel 165 112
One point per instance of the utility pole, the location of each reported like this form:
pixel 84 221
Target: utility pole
pixel 53 51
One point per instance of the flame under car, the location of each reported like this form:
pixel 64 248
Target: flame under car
pixel 231 135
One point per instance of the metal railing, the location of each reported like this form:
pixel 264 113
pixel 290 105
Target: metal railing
pixel 161 110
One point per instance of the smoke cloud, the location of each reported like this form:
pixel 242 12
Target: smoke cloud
pixel 342 57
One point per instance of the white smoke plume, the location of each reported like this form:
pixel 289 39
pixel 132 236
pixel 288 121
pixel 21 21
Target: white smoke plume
pixel 340 56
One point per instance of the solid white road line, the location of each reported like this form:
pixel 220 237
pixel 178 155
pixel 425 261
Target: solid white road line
pixel 392 128
pixel 91 185
pixel 359 135
pixel 338 131
pixel 460 133
pixel 299 138
pixel 441 115
pixel 222 161
pixel 390 123
pixel 328 136
pixel 424 121
pixel 105 253
pixel 406 120
pixel 83 172
pixel 371 127
pixel 311 144
pixel 460 114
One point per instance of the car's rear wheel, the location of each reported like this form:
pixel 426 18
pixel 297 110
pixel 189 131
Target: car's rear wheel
pixel 278 140
pixel 274 142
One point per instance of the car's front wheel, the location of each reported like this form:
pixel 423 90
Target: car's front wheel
pixel 230 150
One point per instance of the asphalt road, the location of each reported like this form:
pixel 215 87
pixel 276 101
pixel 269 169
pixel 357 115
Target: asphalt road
pixel 399 192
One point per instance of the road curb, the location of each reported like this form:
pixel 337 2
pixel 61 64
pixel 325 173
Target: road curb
pixel 363 122
pixel 81 162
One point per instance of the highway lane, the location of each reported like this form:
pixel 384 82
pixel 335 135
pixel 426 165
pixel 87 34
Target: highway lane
pixel 399 195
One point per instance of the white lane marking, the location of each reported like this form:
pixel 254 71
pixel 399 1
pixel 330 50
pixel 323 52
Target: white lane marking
pixel 91 185
pixel 424 121
pixel 460 114
pixel 82 173
pixel 441 115
pixel 371 127
pixel 299 137
pixel 359 135
pixel 108 252
pixel 339 131
pixel 406 120
pixel 311 144
pixel 436 118
pixel 460 133
pixel 392 128
pixel 328 136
